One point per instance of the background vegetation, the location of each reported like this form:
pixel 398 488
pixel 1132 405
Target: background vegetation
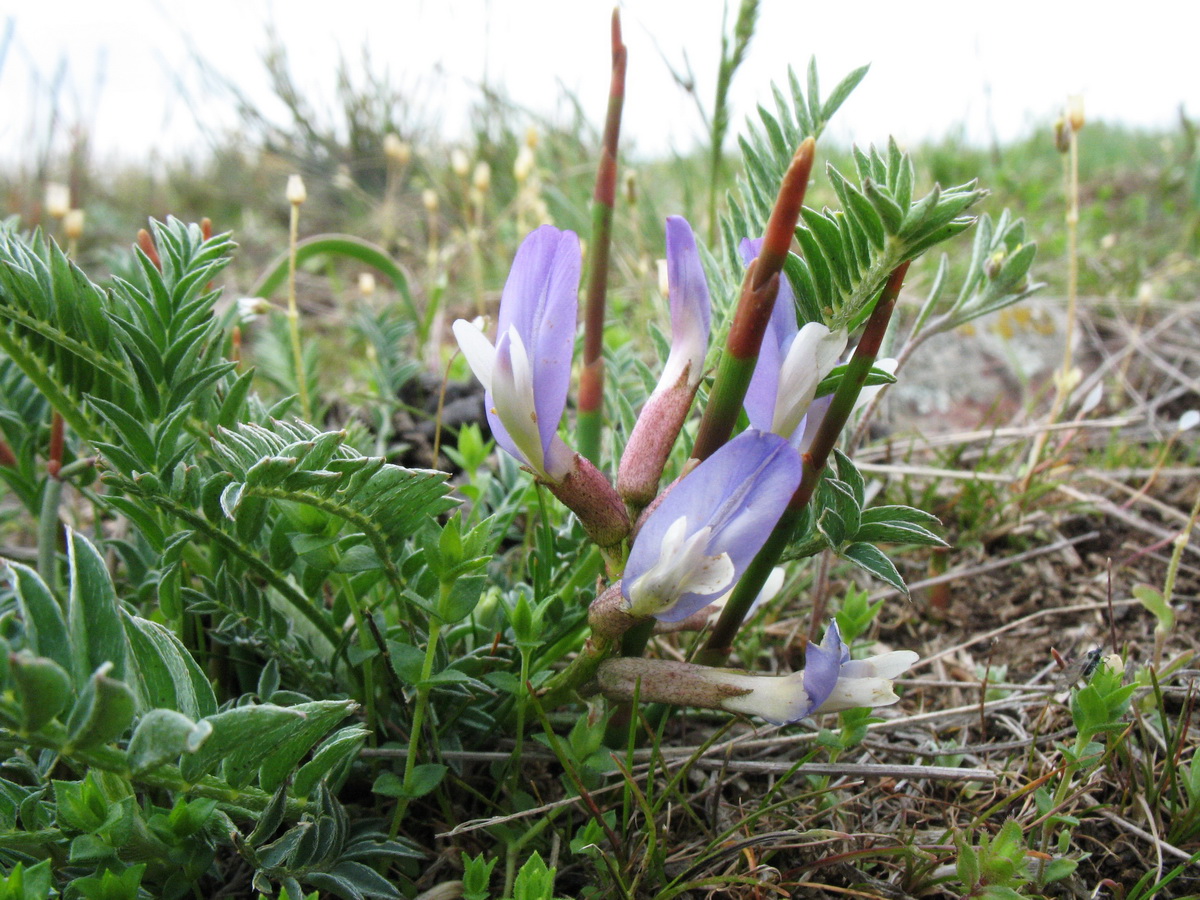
pixel 992 779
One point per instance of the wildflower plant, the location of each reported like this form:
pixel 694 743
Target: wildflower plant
pixel 255 621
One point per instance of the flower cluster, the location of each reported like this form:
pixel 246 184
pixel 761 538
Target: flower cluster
pixel 695 540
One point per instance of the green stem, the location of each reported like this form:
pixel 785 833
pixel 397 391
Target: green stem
pixel 717 648
pixel 365 641
pixel 515 766
pixel 730 62
pixel 418 719
pixel 759 290
pixel 591 378
pixel 582 669
pixel 619 732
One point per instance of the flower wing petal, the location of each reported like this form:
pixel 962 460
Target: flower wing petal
pixel 478 351
pixel 540 301
pixel 739 492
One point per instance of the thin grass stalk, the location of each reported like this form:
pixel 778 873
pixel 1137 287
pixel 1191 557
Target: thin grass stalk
pixel 719 644
pixel 731 61
pixel 759 289
pixel 293 314
pixel 591 379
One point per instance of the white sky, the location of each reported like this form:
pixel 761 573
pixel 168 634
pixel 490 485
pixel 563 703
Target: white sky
pixel 936 64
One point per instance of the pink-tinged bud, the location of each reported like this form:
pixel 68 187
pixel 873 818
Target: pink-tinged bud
pixel 608 616
pixel 585 491
pixel 662 417
pixel 663 681
pixel 651 441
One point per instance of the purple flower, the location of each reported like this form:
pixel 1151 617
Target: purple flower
pixel 830 681
pixel 791 363
pixel 528 371
pixel 687 290
pixel 662 417
pixel 698 541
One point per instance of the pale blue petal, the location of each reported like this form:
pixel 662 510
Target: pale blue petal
pixel 739 492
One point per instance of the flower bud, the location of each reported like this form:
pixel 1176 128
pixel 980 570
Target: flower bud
pixel 1075 111
pixel 58 199
pixel 366 284
pixel 531 137
pixel 1062 140
pixel 460 163
pixel 523 166
pixel 586 492
pixel 296 193
pixel 661 419
pixel 429 199
pixel 481 178
pixel 250 308
pixel 397 150
pixel 73 224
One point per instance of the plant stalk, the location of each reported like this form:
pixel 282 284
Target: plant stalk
pixel 759 290
pixel 719 645
pixel 591 377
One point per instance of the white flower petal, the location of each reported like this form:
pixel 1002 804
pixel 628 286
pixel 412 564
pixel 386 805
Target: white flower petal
pixel 885 665
pixel 512 396
pixel 770 588
pixel 852 693
pixel 476 349
pixel 682 567
pixel 780 700
pixel 813 353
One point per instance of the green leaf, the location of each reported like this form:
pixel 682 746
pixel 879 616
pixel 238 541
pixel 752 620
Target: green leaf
pixel 93 616
pixel 365 882
pixel 109 885
pixel 871 559
pixel 45 628
pixel 133 436
pixel 848 473
pixel 42 687
pixel 33 883
pixel 164 673
pixel 464 597
pixel 339 245
pixel 160 738
pixel 103 711
pixel 898 533
pixel 535 880
pixel 242 736
pixel 425 778
pixel 843 90
pixel 967 864
pixel 294 743
pixel 340 749
pixel 895 514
